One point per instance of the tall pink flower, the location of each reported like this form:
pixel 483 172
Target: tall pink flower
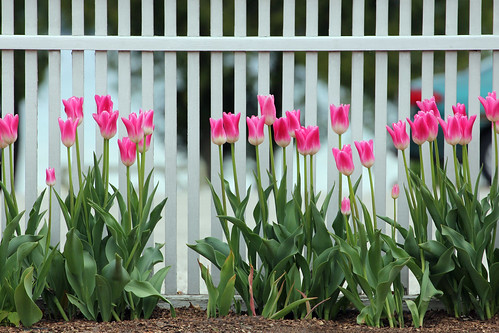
pixel 345 206
pixel 365 149
pixel 399 135
pixel 459 109
pixel 281 132
pixel 429 105
pixel 491 106
pixel 50 176
pixel 308 140
pixel 466 126
pixel 293 121
pixel 339 117
pixel 344 160
pixel 231 126
pixel 267 108
pixel 255 130
pixel 419 127
pixel 218 136
pixel 128 151
pixel 73 107
pixel 68 131
pixel 107 121
pixel 452 130
pixel 395 191
pixel 104 103
pixel 147 121
pixel 148 143
pixel 8 128
pixel 134 127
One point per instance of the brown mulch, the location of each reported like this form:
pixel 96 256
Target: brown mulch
pixel 194 320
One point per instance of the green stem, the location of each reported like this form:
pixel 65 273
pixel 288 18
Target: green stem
pixel 129 222
pixel 306 181
pixel 494 124
pixel 70 183
pixel 260 192
pixel 297 163
pixel 432 164
pixel 409 182
pixel 284 165
pixel 394 218
pixel 12 184
pixel 272 166
pixel 234 169
pixel 50 222
pixel 222 178
pixel 466 165
pixel 372 199
pixel 456 167
pixel 59 307
pixel 78 158
pixel 348 230
pixel 311 177
pixel 105 170
pixel 353 203
pixel 141 183
pixel 115 315
pixel 421 165
pixel 340 193
pixel 389 313
pixel 3 180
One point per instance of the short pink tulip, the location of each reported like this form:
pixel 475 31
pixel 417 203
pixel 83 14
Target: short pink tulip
pixel 452 130
pixel 231 126
pixel 134 127
pixel 73 107
pixel 459 109
pixel 218 136
pixel 420 130
pixel 395 191
pixel 281 132
pixel 466 126
pixel 399 135
pixel 147 121
pixel 68 131
pixel 104 103
pixel 128 151
pixel 148 143
pixel 267 108
pixel 429 105
pixel 8 128
pixel 345 206
pixel 491 106
pixel 107 121
pixel 50 176
pixel 339 118
pixel 365 149
pixel 293 122
pixel 308 140
pixel 344 160
pixel 255 130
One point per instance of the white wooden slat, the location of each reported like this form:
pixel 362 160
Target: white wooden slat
pixel 100 65
pixel 334 89
pixel 311 62
pixel 54 83
pixel 495 77
pixel 380 115
pixel 7 93
pixel 193 105
pixel 170 124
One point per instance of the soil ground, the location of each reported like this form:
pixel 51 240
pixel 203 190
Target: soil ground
pixel 193 319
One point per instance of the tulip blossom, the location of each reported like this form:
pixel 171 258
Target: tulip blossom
pixel 344 160
pixel 128 151
pixel 345 206
pixel 68 131
pixel 452 130
pixel 104 103
pixel 73 107
pixel 395 191
pixel 466 126
pixel 107 121
pixel 147 121
pixel 429 105
pixel 339 117
pixel 459 109
pixel 218 136
pixel 255 130
pixel 293 122
pixel 365 149
pixel 50 176
pixel 281 132
pixel 308 140
pixel 491 106
pixel 420 130
pixel 399 135
pixel 267 108
pixel 134 127
pixel 148 143
pixel 231 126
pixel 8 128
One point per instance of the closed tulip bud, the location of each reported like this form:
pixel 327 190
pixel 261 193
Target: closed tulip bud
pixel 345 206
pixel 8 128
pixel 134 127
pixel 395 191
pixel 339 118
pixel 218 136
pixel 50 176
pixel 466 126
pixel 491 106
pixel 420 130
pixel 293 122
pixel 73 107
pixel 267 108
pixel 255 130
pixel 344 160
pixel 366 154
pixel 399 135
pixel 68 131
pixel 107 121
pixel 231 126
pixel 128 151
pixel 281 132
pixel 147 121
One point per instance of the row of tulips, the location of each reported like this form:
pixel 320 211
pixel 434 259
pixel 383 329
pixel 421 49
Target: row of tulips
pixel 312 265
pixel 104 270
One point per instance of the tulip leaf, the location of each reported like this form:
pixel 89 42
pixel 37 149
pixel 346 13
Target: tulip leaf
pixel 104 296
pixel 28 311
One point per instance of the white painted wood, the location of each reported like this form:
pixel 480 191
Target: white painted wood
pixel 100 66
pixel 264 82
pixel 311 77
pixel 495 79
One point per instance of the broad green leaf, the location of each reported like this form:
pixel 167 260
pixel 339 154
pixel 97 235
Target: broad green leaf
pixel 104 296
pixel 28 311
pixel 226 296
pixel 413 308
pixel 34 215
pixel 82 307
pixel 73 252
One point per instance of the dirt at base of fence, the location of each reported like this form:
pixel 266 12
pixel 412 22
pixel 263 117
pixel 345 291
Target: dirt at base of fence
pixel 193 319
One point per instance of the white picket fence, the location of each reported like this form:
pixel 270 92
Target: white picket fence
pixel 188 212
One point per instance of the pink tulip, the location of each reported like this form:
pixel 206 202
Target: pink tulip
pixel 429 105
pixel 147 121
pixel 8 128
pixel 281 132
pixel 432 123
pixel 50 176
pixel 308 140
pixel 231 126
pixel 395 191
pixel 365 149
pixel 293 121
pixel 104 103
pixel 491 106
pixel 344 160
pixel 452 130
pixel 255 130
pixel 466 126
pixel 128 151
pixel 68 131
pixel 107 121
pixel 74 108
pixel 399 135
pixel 267 108
pixel 301 140
pixel 148 143
pixel 218 136
pixel 420 130
pixel 345 206
pixel 459 109
pixel 339 118
pixel 134 127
